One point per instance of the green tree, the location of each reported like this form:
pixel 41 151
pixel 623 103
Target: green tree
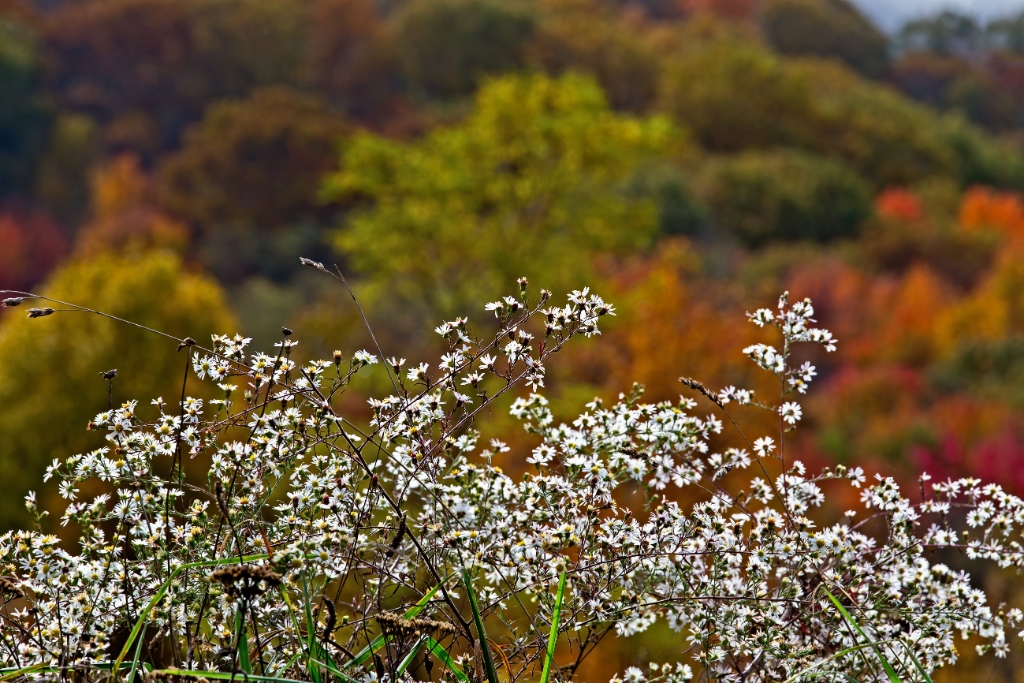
pixel 532 183
pixel 946 33
pixel 447 46
pixel 762 197
pixel 738 96
pixel 1006 33
pixel 826 28
pixel 24 117
pixel 49 367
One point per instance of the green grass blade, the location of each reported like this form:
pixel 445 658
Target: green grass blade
pixel 485 650
pixel 141 621
pixel 311 642
pixel 917 664
pixel 291 662
pixel 242 638
pixel 135 661
pixel 16 673
pixel 334 670
pixel 435 648
pixel 889 670
pixel 407 660
pixel 377 643
pixel 225 676
pixel 549 655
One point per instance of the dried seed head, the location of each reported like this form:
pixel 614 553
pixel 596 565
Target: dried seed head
pixel 697 386
pixel 12 302
pixel 309 263
pixel 167 677
pixel 246 580
pixel 396 625
pixel 39 312
pixel 10 587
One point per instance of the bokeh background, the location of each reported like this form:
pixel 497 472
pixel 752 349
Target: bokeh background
pixel 169 161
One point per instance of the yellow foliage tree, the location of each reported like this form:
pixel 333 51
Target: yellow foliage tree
pixel 532 183
pixel 50 368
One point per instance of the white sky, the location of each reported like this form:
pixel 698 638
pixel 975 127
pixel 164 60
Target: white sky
pixel 891 14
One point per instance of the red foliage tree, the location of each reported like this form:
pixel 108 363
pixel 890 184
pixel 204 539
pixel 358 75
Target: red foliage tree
pixel 31 244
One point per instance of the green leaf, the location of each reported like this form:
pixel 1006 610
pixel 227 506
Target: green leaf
pixel 407 661
pixel 549 655
pixel 485 650
pixel 917 664
pixel 242 638
pixel 889 670
pixel 135 661
pixel 8 674
pixel 311 642
pixel 435 648
pixel 334 670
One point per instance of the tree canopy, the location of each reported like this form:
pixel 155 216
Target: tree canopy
pixel 61 356
pixel 531 183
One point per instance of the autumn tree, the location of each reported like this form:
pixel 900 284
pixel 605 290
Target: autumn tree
pixel 446 46
pixel 622 51
pixel 826 28
pixel 147 68
pixel 531 183
pixel 62 356
pixel 32 245
pixel 255 161
pixel 351 57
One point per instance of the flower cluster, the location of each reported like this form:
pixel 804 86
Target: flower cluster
pixel 315 538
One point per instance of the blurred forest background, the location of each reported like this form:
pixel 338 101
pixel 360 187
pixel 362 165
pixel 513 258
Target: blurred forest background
pixel 168 161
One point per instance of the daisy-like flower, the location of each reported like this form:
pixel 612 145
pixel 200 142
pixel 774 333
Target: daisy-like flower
pixel 319 494
pixel 764 446
pixel 791 412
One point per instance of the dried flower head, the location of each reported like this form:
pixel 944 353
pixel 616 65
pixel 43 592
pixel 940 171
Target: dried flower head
pixel 246 580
